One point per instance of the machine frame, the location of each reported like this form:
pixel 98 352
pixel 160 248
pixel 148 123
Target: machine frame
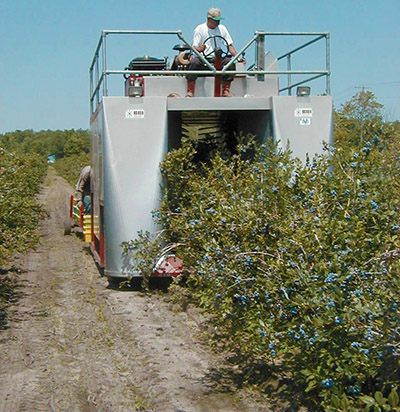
pixel 131 134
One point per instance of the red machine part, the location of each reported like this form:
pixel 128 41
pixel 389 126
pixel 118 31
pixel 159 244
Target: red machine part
pixel 134 86
pixel 74 216
pixel 217 80
pixel 97 244
pixel 168 266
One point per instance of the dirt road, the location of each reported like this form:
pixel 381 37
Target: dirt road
pixel 74 344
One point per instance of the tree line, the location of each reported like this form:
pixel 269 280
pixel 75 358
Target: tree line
pixel 62 143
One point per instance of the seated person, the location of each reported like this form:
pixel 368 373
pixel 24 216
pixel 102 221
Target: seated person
pixel 201 33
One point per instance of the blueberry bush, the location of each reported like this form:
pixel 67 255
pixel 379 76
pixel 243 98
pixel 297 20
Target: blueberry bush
pixel 23 155
pixel 69 167
pixel 20 179
pixel 298 263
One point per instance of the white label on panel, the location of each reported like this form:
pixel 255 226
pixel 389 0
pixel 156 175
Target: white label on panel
pixel 134 114
pixel 301 112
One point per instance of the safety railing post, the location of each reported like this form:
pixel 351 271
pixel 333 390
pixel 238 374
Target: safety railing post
pixel 91 89
pixel 289 68
pixel 104 34
pixel 260 42
pixel 97 77
pixel 105 93
pixel 328 64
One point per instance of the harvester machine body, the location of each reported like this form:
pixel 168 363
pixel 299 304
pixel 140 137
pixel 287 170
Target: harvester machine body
pixel 132 132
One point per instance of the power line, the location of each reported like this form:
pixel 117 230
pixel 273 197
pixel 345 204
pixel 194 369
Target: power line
pixel 384 83
pixel 345 92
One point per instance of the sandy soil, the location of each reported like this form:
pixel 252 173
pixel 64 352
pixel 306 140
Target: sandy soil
pixel 75 344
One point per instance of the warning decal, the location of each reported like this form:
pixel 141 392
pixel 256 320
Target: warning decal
pixel 302 112
pixel 305 121
pixel 134 114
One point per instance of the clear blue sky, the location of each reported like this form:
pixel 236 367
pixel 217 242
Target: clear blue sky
pixel 46 47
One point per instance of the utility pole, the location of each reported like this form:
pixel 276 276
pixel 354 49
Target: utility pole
pixel 362 112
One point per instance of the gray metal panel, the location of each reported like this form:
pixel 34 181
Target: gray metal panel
pixel 164 85
pixel 305 122
pixel 268 87
pixel 135 142
pixel 242 85
pixel 220 103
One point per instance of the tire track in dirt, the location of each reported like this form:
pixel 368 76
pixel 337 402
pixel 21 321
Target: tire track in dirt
pixel 74 344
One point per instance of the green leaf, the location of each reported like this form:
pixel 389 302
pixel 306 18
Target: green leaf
pixel 310 377
pixel 335 401
pixel 379 398
pixel 393 398
pixel 367 400
pixel 311 385
pixel 344 403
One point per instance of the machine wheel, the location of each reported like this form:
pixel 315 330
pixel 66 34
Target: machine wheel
pixel 120 283
pixel 113 282
pixel 67 226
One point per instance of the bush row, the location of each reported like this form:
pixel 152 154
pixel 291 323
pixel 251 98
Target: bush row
pixel 69 167
pixel 298 263
pixel 20 179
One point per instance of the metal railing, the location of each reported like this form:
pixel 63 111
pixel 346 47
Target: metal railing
pixel 98 75
pixel 288 55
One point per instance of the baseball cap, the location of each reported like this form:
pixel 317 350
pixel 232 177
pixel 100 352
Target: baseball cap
pixel 214 14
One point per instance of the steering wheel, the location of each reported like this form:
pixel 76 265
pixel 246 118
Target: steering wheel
pixel 224 46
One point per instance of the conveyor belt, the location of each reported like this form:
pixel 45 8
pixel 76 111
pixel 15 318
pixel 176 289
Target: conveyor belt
pixel 200 124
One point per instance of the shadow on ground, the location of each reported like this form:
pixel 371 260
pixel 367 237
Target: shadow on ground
pixel 10 292
pixel 269 379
